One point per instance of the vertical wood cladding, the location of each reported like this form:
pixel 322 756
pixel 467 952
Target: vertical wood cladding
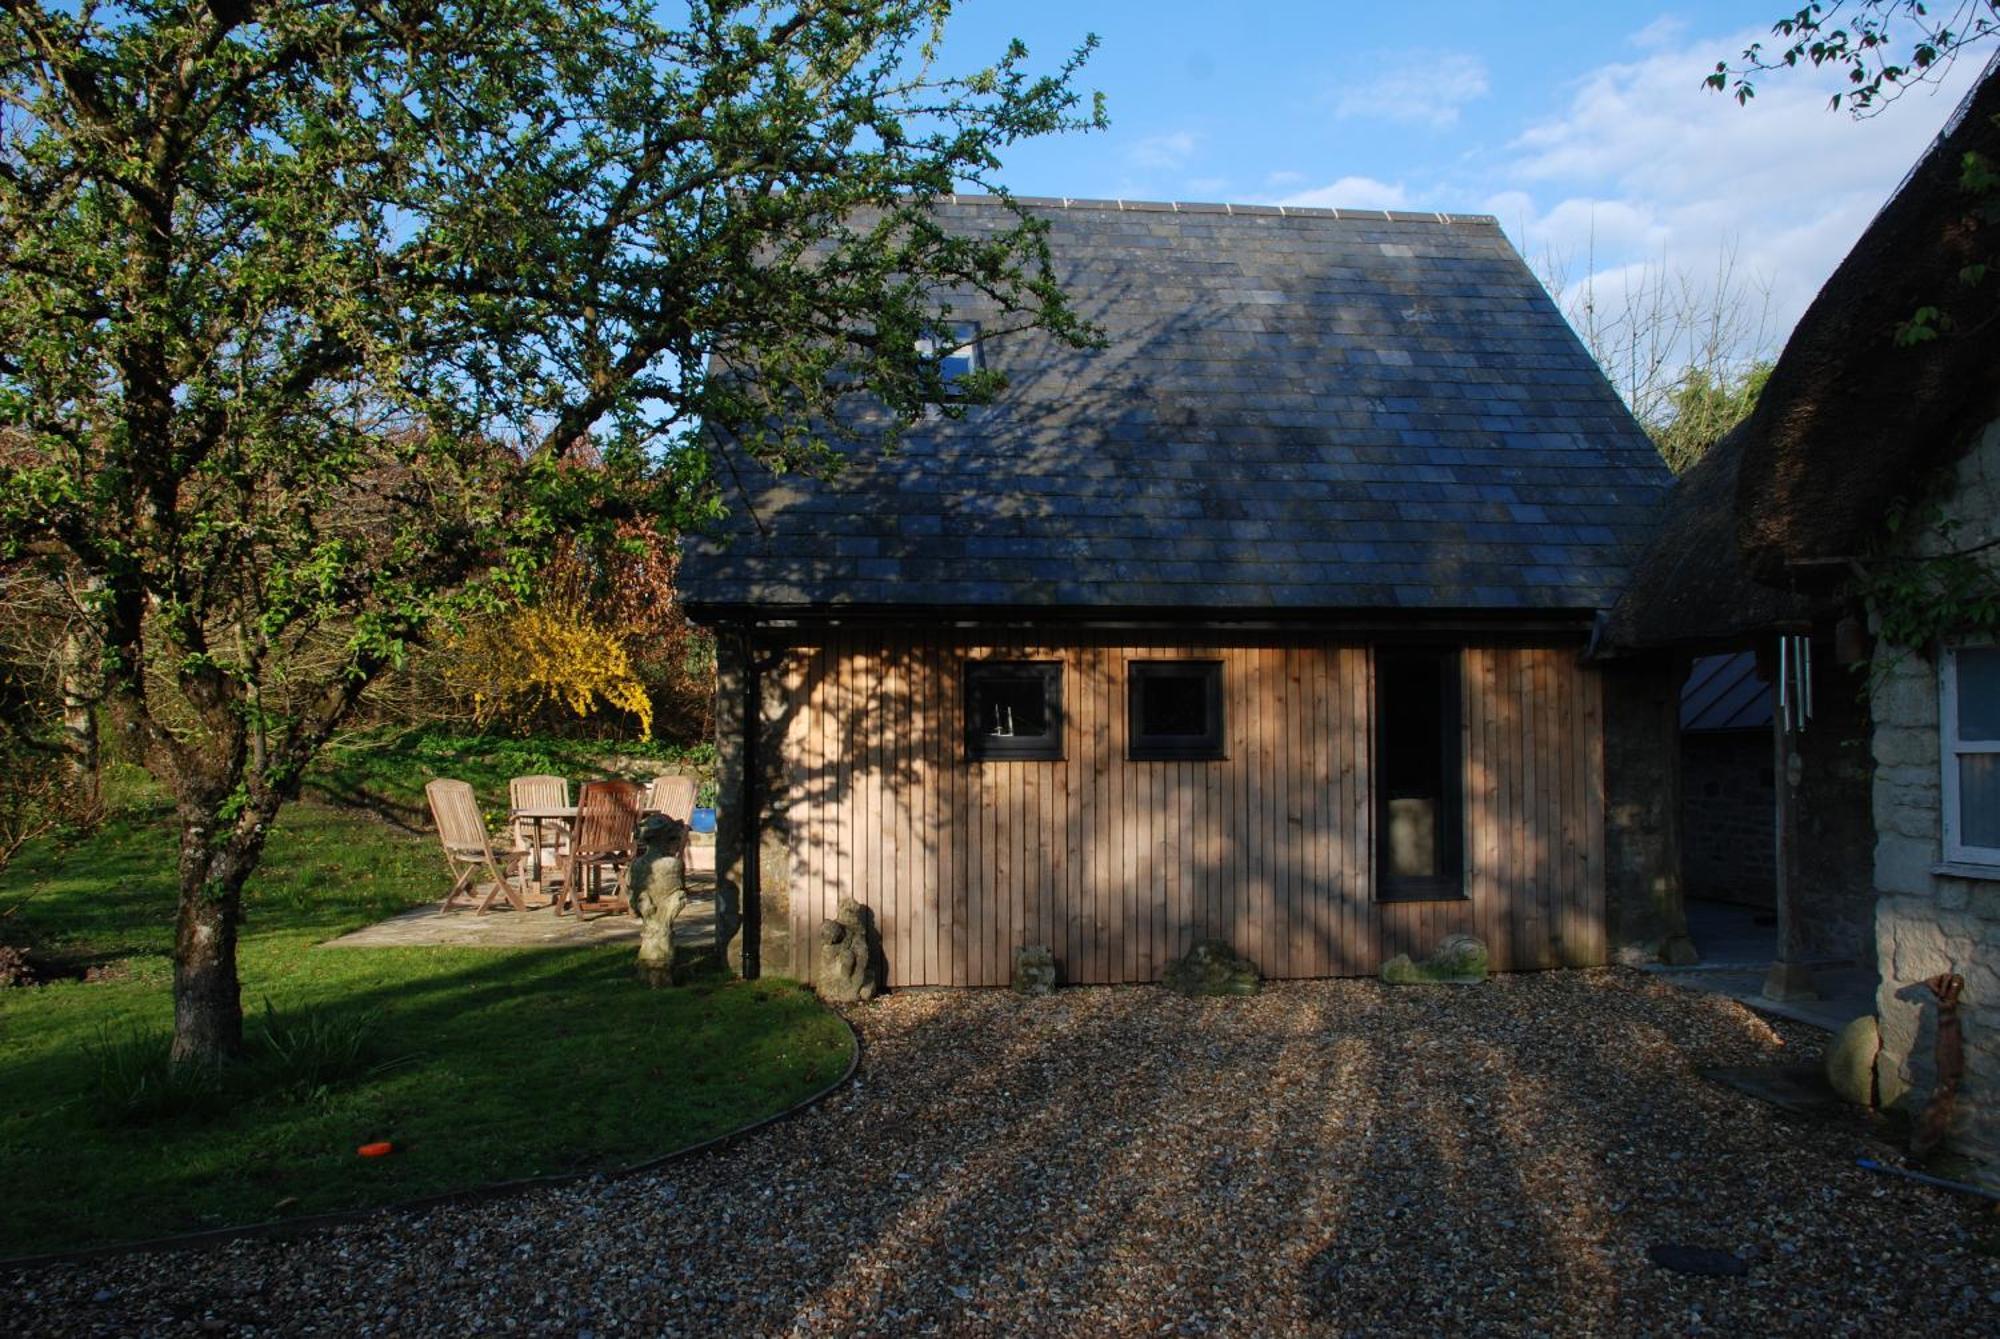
pixel 1119 866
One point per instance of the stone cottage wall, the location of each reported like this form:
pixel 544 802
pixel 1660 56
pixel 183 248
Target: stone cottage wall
pixel 1927 922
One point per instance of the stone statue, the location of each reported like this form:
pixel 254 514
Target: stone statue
pixel 658 885
pixel 1034 970
pixel 1212 967
pixel 847 956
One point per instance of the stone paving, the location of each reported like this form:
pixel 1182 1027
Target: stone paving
pixel 538 927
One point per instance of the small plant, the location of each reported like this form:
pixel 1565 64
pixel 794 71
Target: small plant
pixel 305 1054
pixel 137 1082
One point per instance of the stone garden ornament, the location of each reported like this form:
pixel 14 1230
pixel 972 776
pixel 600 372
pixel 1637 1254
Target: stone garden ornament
pixel 657 882
pixel 847 956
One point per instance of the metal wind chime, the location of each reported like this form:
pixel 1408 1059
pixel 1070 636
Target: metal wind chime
pixel 1795 701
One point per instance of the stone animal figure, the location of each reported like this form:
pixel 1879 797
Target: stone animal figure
pixel 658 885
pixel 846 957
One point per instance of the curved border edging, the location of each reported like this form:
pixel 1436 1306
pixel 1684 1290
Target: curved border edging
pixel 275 1228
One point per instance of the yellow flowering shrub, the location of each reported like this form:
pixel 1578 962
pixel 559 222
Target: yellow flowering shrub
pixel 520 665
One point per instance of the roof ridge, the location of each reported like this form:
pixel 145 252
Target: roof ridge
pixel 1254 210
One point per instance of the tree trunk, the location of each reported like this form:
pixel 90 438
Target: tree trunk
pixel 79 695
pixel 208 1002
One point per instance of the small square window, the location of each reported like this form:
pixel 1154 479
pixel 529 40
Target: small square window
pixel 1174 709
pixel 1013 709
pixel 955 345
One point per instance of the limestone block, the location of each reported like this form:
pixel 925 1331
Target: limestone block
pixel 1850 1061
pixel 1903 864
pixel 1904 700
pixel 1906 748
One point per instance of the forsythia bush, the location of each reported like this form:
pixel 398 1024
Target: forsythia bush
pixel 517 666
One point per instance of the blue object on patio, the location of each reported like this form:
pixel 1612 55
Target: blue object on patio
pixel 702 820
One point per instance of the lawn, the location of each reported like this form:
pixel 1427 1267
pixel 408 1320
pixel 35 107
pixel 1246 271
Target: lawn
pixel 480 1064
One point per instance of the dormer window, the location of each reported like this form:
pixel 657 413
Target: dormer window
pixel 955 346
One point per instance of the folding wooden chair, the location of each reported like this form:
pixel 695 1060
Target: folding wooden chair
pixel 468 851
pixel 540 792
pixel 605 837
pixel 674 797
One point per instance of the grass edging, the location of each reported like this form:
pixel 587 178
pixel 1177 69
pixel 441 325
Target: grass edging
pixel 288 1227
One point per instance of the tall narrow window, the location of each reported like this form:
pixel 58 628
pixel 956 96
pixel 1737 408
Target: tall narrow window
pixel 1013 709
pixel 1174 709
pixel 1970 719
pixel 1418 774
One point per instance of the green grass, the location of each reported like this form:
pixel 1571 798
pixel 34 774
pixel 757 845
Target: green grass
pixel 478 1064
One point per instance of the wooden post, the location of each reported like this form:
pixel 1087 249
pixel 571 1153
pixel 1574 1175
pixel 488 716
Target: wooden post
pixel 1788 978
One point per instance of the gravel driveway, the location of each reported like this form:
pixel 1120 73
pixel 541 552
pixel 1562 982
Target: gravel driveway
pixel 1326 1157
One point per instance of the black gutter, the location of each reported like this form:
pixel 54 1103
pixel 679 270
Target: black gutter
pixel 750 899
pixel 772 616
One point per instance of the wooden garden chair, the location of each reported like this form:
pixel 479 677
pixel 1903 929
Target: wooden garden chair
pixel 605 837
pixel 468 851
pixel 540 792
pixel 673 796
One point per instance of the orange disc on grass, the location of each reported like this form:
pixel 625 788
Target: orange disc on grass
pixel 381 1150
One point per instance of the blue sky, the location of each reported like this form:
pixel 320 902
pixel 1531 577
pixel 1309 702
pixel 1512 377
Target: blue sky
pixel 1582 126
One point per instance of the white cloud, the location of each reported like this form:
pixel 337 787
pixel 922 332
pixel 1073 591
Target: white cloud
pixel 1278 181
pixel 1351 193
pixel 1162 152
pixel 1424 88
pixel 1643 166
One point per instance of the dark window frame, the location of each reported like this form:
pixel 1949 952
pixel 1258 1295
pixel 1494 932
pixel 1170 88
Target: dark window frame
pixel 1045 747
pixel 1211 746
pixel 1448 886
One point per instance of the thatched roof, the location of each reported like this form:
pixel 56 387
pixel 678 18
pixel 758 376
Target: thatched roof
pixel 1849 420
pixel 1756 535
pixel 1690 589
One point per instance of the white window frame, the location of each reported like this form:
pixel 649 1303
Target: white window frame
pixel 1950 750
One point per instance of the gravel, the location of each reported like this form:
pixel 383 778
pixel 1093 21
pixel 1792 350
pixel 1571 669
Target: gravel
pixel 1332 1156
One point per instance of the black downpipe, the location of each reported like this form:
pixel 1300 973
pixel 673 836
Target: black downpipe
pixel 750 894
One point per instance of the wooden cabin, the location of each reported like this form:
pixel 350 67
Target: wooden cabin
pixel 1265 622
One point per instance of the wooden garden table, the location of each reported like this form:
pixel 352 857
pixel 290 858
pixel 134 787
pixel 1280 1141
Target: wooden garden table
pixel 539 814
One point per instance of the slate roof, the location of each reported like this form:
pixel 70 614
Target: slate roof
pixel 1724 693
pixel 1298 410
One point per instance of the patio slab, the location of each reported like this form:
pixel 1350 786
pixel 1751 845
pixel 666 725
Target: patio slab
pixel 540 927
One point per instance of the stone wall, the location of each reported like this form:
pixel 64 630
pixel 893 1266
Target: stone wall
pixel 1727 817
pixel 1927 922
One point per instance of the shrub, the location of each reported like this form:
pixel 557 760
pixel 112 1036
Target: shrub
pixel 137 1083
pixel 305 1054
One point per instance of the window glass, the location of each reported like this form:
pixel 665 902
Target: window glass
pixel 1174 704
pixel 1419 773
pixel 1978 693
pixel 1011 706
pixel 1013 709
pixel 1174 709
pixel 955 346
pixel 1979 799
